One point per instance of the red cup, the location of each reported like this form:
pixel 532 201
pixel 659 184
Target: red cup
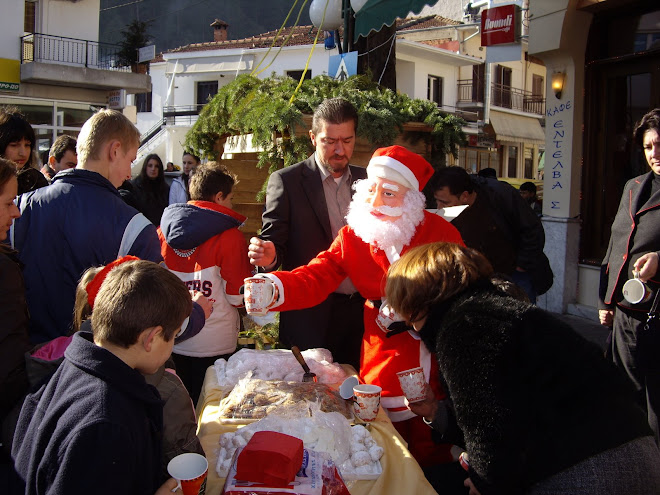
pixel 190 472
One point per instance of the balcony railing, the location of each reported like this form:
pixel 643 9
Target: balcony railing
pixel 472 91
pixel 182 114
pixel 37 47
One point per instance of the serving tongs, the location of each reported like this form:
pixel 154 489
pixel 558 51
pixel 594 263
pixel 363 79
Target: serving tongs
pixel 308 376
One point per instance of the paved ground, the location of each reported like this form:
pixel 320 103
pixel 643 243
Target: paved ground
pixel 589 329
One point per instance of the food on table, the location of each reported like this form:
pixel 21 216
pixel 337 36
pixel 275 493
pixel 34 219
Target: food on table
pixel 254 399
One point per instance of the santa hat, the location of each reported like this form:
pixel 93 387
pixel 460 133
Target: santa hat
pixel 400 165
pixel 94 286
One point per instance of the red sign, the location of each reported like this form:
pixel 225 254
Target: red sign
pixel 499 25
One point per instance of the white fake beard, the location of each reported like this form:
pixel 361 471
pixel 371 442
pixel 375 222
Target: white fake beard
pixel 384 234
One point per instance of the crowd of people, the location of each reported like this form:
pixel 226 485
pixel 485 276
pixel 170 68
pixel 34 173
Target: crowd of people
pixel 118 293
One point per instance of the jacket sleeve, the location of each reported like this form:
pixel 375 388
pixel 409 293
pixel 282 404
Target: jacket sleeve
pixel 276 215
pixel 309 285
pixel 147 245
pixel 234 264
pixel 530 234
pixel 177 193
pixel 483 383
pixel 14 340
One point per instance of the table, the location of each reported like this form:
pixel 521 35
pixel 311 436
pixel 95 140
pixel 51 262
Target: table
pixel 401 473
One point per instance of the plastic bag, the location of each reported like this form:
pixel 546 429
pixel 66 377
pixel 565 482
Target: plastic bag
pixel 277 364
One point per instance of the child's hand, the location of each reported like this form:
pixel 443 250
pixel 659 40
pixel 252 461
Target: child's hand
pixel 202 300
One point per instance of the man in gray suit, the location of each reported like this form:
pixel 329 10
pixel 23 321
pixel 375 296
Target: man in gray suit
pixel 306 205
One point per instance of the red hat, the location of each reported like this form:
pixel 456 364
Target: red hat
pixel 400 165
pixel 95 285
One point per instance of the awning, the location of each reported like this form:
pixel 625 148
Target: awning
pixel 377 13
pixel 516 128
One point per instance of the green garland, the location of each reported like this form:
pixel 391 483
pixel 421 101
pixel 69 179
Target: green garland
pixel 261 107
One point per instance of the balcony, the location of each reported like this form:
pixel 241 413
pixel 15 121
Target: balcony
pixel 61 61
pixel 471 93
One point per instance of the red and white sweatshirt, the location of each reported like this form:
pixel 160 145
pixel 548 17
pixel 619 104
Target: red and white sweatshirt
pixel 201 244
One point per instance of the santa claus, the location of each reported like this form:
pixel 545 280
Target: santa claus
pixel 386 218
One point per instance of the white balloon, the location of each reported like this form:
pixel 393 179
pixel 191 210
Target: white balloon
pixel 356 5
pixel 333 17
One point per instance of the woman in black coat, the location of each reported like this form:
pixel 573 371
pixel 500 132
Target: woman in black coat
pixel 14 340
pixel 150 191
pixel 540 409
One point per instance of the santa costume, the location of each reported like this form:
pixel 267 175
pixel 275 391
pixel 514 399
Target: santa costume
pixel 364 256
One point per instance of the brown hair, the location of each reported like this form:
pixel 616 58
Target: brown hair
pixel 334 111
pixel 7 171
pixel 430 274
pixel 81 309
pixel 210 179
pixel 103 126
pixel 61 145
pixel 135 296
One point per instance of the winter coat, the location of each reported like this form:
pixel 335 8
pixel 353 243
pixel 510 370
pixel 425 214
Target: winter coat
pixel 531 396
pixel 201 244
pixel 95 427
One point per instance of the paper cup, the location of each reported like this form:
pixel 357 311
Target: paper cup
pixel 259 294
pixel 189 471
pixel 413 384
pixel 367 401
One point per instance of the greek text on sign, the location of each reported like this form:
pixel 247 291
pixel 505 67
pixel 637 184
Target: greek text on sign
pixel 500 25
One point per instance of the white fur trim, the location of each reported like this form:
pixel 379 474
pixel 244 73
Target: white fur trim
pixel 280 287
pixel 396 416
pixel 380 164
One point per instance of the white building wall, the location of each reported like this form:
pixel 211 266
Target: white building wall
pixel 11 29
pixel 70 19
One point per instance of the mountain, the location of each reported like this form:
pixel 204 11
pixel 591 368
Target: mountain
pixel 176 23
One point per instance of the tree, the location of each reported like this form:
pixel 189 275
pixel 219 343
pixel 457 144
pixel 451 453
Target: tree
pixel 135 36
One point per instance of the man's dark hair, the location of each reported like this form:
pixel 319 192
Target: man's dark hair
pixel 334 111
pixel 14 127
pixel 650 121
pixel 210 179
pixel 135 296
pixel 488 173
pixel 61 145
pixel 528 186
pixel 456 179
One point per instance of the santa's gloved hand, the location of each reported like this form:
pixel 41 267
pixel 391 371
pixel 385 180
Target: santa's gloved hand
pixel 262 293
pixel 389 320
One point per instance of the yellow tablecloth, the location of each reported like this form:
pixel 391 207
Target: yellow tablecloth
pixel 401 473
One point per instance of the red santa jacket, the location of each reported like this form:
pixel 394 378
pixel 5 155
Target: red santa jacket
pixel 366 265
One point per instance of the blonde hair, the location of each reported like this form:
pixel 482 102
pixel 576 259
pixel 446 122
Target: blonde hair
pixel 103 126
pixel 81 308
pixel 430 274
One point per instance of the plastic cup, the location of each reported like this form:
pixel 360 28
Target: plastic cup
pixel 190 472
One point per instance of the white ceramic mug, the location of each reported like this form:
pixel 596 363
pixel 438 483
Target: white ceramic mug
pixel 413 384
pixel 190 471
pixel 259 294
pixel 635 291
pixel 367 401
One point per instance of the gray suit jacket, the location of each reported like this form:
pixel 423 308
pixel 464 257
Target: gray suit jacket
pixel 296 220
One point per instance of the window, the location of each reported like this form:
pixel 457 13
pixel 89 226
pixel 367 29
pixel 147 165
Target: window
pixel 502 87
pixel 297 74
pixel 205 91
pixel 478 81
pixel 30 19
pixel 512 166
pixel 434 90
pixel 143 102
pixel 537 86
pixel 529 163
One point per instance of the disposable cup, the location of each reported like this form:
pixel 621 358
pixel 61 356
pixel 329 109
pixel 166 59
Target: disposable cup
pixel 413 384
pixel 367 401
pixel 190 471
